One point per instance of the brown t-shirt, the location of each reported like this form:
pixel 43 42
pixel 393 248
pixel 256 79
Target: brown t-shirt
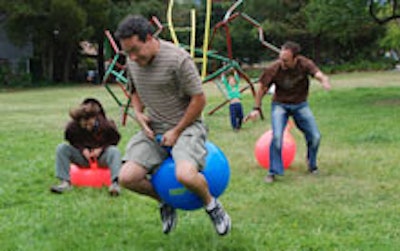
pixel 104 134
pixel 291 84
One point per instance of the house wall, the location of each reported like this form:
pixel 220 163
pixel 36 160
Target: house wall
pixel 12 54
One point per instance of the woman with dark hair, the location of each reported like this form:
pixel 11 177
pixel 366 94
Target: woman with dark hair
pixel 91 136
pixel 96 102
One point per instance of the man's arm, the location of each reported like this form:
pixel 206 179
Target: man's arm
pixel 194 110
pixel 257 111
pixel 140 117
pixel 259 95
pixel 323 79
pixel 137 104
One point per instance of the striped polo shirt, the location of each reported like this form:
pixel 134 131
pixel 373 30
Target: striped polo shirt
pixel 166 84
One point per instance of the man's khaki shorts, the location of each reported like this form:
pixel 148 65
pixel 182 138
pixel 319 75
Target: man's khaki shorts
pixel 148 153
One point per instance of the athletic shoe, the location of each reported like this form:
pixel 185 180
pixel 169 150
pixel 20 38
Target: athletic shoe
pixel 114 189
pixel 220 219
pixel 168 217
pixel 62 187
pixel 270 178
pixel 313 170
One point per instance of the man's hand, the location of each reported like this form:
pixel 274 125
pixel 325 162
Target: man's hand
pixel 326 85
pixel 170 137
pixel 323 79
pixel 143 121
pixel 252 116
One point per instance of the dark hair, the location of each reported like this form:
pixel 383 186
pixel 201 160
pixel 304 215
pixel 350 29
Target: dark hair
pixel 96 102
pixel 293 47
pixel 84 111
pixel 134 25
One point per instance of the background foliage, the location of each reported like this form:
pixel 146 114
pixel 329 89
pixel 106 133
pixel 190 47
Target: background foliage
pixel 331 32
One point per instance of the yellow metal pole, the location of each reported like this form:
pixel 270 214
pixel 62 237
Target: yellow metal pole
pixel 170 24
pixel 193 33
pixel 206 34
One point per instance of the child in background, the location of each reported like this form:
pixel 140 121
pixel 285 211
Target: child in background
pixel 235 106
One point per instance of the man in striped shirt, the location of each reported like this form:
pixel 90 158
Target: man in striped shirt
pixel 167 98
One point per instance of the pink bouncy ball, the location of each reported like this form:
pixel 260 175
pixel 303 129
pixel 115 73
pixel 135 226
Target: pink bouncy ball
pixel 261 150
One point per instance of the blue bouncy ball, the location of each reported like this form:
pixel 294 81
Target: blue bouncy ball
pixel 216 172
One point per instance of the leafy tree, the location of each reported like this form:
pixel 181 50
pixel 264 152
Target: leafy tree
pixel 383 11
pixel 338 30
pixel 281 19
pixel 387 12
pixel 344 27
pixel 69 22
pixel 54 26
pixel 98 19
pixel 391 40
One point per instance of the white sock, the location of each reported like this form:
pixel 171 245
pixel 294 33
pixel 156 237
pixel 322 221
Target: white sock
pixel 212 204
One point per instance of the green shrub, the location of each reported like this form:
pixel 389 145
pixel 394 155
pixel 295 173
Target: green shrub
pixel 359 65
pixel 14 78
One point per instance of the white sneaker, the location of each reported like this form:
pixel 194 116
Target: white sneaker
pixel 168 217
pixel 220 219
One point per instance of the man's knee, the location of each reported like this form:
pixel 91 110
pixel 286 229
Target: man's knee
pixel 315 139
pixel 130 174
pixel 186 172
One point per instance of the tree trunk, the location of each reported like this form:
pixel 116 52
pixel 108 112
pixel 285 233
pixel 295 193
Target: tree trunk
pixel 317 51
pixel 50 64
pixel 100 59
pixel 67 64
pixel 44 65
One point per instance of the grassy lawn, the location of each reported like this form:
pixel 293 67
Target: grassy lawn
pixel 352 205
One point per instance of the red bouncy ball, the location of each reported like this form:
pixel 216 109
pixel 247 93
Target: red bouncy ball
pixel 94 176
pixel 261 150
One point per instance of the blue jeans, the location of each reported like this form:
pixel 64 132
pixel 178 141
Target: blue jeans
pixel 236 115
pixel 305 121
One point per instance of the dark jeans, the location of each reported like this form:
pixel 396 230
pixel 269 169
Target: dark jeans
pixel 236 114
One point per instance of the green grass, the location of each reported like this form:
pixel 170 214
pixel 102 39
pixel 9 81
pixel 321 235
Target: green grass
pixel 352 205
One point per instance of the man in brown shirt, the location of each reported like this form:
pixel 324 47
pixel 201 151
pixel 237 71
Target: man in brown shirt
pixel 290 74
